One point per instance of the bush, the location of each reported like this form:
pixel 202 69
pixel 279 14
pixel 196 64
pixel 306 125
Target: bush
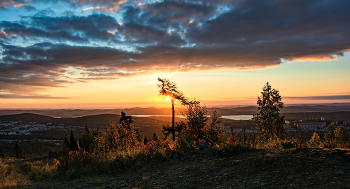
pixel 118 137
pixel 40 170
pixel 315 141
pixel 196 130
pixel 279 144
pixel 10 176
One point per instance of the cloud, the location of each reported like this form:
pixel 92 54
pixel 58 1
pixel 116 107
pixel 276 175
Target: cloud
pixel 169 36
pixel 328 97
pixel 5 4
pixel 16 29
pixel 14 96
pixel 2 34
pixel 76 29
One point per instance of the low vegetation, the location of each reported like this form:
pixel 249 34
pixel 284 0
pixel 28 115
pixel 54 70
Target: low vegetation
pixel 120 150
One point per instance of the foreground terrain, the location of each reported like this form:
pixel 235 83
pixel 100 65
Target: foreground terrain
pixel 297 168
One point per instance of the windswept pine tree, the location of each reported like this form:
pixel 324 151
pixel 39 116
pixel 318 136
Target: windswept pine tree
pixel 169 89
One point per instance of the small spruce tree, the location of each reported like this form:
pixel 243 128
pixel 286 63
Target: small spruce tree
pixel 73 145
pixel 269 120
pixel 2 155
pixel 65 144
pixel 315 141
pixel 86 140
pixel 342 137
pixel 17 152
pixel 145 141
pixel 213 133
pixel 155 137
pixel 329 136
pixel 127 120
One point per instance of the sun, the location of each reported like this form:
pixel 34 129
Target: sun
pixel 167 98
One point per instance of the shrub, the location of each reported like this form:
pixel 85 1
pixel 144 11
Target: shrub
pixel 196 130
pixel 315 141
pixel 40 170
pixel 281 144
pixel 10 176
pixel 118 137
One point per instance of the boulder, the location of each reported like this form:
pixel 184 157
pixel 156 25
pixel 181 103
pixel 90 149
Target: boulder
pixel 204 147
pixel 173 155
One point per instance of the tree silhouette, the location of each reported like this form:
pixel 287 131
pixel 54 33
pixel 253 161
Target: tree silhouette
pixel 65 144
pixel 342 137
pixel 17 152
pixel 155 137
pixel 87 129
pixel 329 136
pixel 169 89
pixel 126 119
pixel 73 145
pixel 269 120
pixel 86 140
pixel 1 154
pixel 145 141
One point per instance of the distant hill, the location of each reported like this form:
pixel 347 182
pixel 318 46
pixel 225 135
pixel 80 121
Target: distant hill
pixel 146 125
pixel 27 117
pixel 238 110
pixel 91 120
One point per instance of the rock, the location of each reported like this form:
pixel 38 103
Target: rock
pixel 124 185
pixel 173 155
pixel 204 146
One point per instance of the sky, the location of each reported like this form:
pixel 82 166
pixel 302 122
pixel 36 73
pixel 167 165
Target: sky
pixel 109 54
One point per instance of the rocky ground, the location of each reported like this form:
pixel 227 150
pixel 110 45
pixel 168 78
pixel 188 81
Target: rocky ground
pixel 300 168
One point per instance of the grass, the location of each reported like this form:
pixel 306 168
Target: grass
pixel 290 168
pixel 10 175
pixel 282 163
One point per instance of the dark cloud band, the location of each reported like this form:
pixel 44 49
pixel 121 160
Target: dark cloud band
pixel 169 36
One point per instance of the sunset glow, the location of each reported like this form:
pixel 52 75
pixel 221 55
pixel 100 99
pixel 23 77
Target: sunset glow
pixel 106 54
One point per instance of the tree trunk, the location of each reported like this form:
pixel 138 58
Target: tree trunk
pixel 173 118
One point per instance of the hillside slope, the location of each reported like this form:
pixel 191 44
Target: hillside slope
pixel 300 168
